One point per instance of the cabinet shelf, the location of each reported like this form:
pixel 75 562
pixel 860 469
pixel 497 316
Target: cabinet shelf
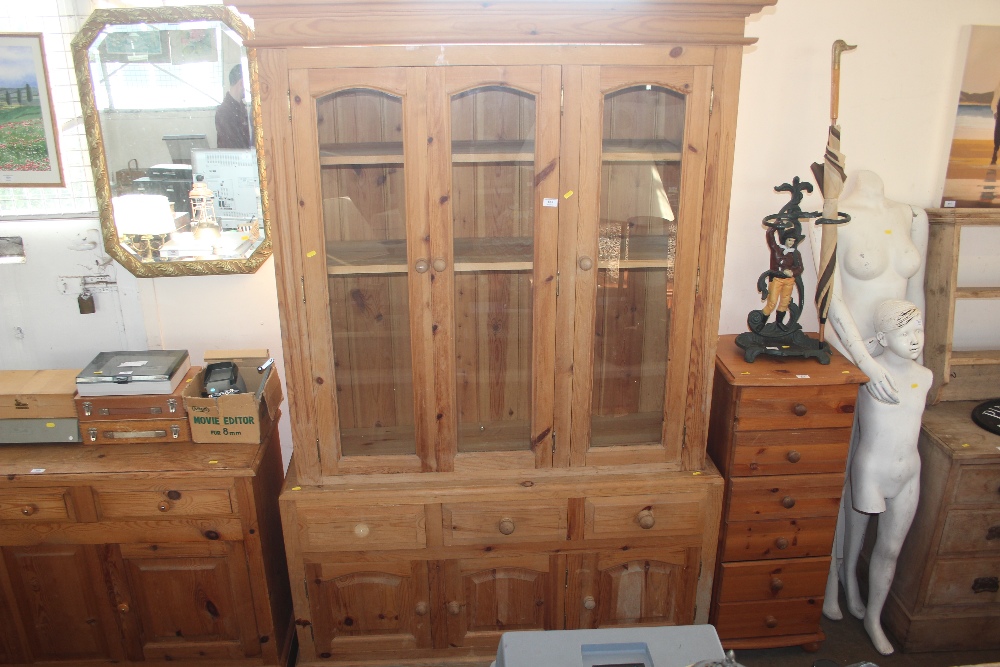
pixel 471 254
pixel 502 436
pixel 977 292
pixel 975 358
pixel 643 252
pixel 629 150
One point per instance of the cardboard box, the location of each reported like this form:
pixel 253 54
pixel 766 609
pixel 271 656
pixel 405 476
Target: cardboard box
pixel 234 417
pixel 38 394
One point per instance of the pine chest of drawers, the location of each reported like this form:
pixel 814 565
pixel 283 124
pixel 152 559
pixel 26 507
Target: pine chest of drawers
pixel 779 433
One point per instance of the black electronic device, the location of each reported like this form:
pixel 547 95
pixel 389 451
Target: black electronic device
pixel 223 377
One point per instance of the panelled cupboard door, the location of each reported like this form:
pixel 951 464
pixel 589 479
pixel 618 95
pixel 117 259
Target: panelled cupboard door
pixel 643 147
pixel 61 595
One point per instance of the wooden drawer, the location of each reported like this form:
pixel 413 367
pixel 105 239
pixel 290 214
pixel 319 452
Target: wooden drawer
pixel 971 530
pixel 788 538
pixel 490 523
pixel 633 516
pixel 790 452
pixel 785 496
pixel 164 502
pixel 768 619
pixel 361 528
pixel 136 431
pixel 779 408
pixel 965 582
pixel 44 504
pixel 774 579
pixel 978 484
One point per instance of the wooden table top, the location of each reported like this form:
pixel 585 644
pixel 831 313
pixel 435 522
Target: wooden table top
pixel 769 371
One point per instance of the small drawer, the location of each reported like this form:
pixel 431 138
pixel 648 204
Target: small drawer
pixel 136 431
pixel 965 582
pixel 785 496
pixel 788 538
pixel 779 408
pixel 774 579
pixel 800 616
pixel 791 452
pixel 44 504
pixel 490 523
pixel 361 528
pixel 640 516
pixel 181 500
pixel 978 484
pixel 971 530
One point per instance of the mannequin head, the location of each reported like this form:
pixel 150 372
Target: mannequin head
pixel 899 328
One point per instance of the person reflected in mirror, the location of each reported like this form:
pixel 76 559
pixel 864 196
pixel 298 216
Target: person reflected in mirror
pixel 883 476
pixel 232 122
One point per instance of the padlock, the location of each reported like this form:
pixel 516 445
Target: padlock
pixel 86 302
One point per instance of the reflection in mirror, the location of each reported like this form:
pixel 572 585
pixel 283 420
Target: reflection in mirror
pixel 167 100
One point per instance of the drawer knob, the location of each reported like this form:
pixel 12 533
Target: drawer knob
pixel 439 264
pixel 164 506
pixel 362 530
pixel 586 263
pixel 589 602
pixel 506 526
pixel 793 456
pixel 454 608
pixel 212 535
pixel 788 502
pixel 646 519
pixel 781 543
pixel 420 609
pixel 993 532
pixel 776 584
pixel 800 410
pixel 771 621
pixel 986 585
pixel 28 510
pixel 421 265
pixel 123 608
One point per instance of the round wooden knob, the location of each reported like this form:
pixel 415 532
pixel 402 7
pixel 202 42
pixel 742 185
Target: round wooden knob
pixel 212 535
pixel 439 264
pixel 454 608
pixel 781 543
pixel 506 526
pixel 586 263
pixel 771 621
pixel 123 608
pixel 28 510
pixel 646 519
pixel 788 502
pixel 164 506
pixel 420 609
pixel 793 456
pixel 776 584
pixel 421 265
pixel 362 530
pixel 800 410
pixel 589 602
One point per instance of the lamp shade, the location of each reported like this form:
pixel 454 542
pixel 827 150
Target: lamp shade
pixel 143 214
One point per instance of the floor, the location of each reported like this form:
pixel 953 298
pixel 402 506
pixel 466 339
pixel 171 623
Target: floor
pixel 847 643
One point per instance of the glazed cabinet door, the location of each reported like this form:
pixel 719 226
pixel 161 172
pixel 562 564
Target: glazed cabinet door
pixel 186 601
pixel 60 593
pixel 643 147
pixel 358 608
pixel 643 586
pixel 485 597
pixel 359 137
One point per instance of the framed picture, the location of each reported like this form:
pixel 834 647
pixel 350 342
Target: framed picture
pixel 971 180
pixel 29 146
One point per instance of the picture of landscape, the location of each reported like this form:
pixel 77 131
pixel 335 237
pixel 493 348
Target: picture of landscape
pixel 29 152
pixel 971 180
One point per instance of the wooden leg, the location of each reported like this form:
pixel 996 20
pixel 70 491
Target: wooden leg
pixel 811 647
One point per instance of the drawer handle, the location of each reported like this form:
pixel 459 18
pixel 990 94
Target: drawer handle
pixel 646 519
pixel 211 534
pixel 125 435
pixel 87 407
pixel 776 584
pixel 439 264
pixel 788 502
pixel 771 621
pixel 781 543
pixel 793 456
pixel 589 602
pixel 171 405
pixel 362 530
pixel 420 609
pixel 800 410
pixel 506 526
pixel 454 608
pixel 985 585
pixel 123 608
pixel 993 533
pixel 28 510
pixel 421 265
pixel 164 506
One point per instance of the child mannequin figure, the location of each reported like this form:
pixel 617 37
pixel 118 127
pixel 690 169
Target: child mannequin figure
pixel 884 473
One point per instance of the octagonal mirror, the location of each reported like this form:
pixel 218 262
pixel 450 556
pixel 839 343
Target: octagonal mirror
pixel 171 105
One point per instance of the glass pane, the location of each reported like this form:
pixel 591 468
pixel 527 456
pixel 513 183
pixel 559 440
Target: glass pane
pixel 637 243
pixel 364 218
pixel 493 133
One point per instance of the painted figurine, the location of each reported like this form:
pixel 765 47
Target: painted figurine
pixel 785 273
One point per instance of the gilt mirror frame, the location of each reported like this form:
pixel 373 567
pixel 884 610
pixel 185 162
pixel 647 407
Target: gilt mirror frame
pixel 81 44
